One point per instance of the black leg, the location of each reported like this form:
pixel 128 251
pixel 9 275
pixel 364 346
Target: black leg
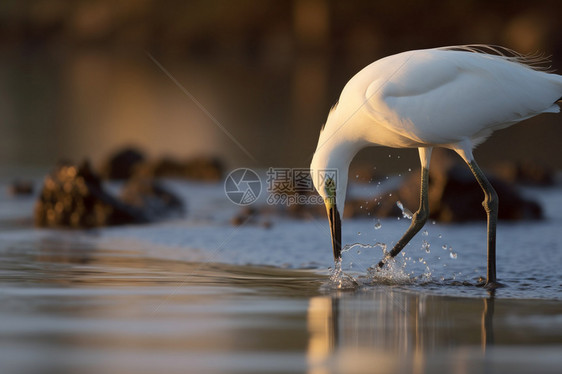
pixel 418 219
pixel 490 204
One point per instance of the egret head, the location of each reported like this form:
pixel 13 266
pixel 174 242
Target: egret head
pixel 337 146
pixel 330 181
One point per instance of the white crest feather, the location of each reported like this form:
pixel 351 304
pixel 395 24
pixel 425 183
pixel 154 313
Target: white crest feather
pixel 535 61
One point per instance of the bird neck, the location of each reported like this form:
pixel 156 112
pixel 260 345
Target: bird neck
pixel 338 155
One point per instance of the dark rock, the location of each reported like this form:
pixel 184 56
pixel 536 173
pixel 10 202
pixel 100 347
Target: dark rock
pixel 304 204
pixel 204 169
pixel 20 188
pixel 73 196
pixel 525 172
pixel 153 198
pixel 166 167
pixel 200 168
pixel 251 216
pixel 121 164
pixel 459 198
pixel 455 196
pixel 245 215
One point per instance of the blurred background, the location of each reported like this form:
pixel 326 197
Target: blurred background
pixel 77 80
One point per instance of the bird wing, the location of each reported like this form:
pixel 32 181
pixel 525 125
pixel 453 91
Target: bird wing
pixel 444 96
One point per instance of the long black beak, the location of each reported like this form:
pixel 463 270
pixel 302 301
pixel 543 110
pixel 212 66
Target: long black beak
pixel 335 229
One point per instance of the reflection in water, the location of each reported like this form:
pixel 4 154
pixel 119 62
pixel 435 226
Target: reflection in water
pixel 487 322
pixel 323 328
pixel 392 331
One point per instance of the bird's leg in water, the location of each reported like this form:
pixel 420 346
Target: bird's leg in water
pixel 490 204
pixel 418 219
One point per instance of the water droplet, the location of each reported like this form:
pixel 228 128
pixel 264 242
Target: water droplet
pixel 453 255
pixel 409 169
pixel 420 260
pixel 439 236
pixel 358 232
pixel 398 156
pixel 378 225
pixel 356 176
pixel 426 245
pixel 358 251
pixel 389 156
pixel 433 222
pixel 425 233
pixel 360 206
pixel 405 211
pixel 390 194
pixel 444 246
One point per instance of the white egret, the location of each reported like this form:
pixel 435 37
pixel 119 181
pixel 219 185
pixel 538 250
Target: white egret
pixel 451 97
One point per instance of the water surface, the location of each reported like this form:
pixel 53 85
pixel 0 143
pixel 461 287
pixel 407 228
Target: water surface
pixel 198 295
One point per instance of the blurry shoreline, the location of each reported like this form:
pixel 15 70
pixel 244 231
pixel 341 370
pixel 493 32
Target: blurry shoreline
pixel 76 80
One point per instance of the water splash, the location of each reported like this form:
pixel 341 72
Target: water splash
pixel 339 280
pixel 359 267
pixel 406 213
pixel 393 272
pixel 382 246
pixel 360 246
pixel 426 246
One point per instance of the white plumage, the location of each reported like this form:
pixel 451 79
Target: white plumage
pixel 452 97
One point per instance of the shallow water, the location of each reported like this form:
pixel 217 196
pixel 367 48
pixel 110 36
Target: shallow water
pixel 199 295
